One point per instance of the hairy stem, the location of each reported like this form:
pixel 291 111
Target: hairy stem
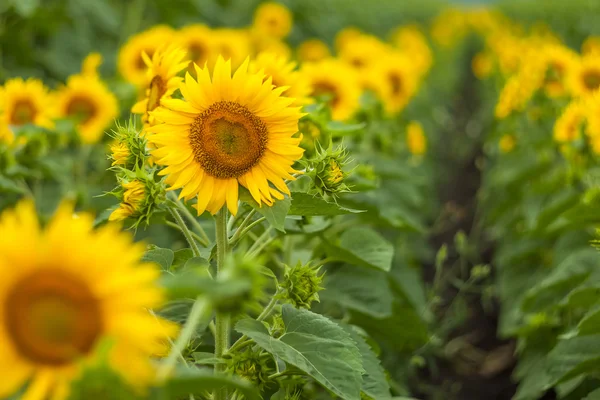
pixel 186 232
pixel 221 320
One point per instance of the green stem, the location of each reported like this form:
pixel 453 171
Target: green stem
pixel 191 218
pixel 186 232
pixel 175 226
pixel 243 229
pixel 199 311
pixel 221 320
pixel 262 242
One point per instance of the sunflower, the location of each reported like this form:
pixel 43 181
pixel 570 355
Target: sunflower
pixel 134 193
pixel 273 19
pixel 87 100
pixel 198 42
pixel 312 50
pixel 507 143
pixel 161 79
pixel 231 44
pixel 131 63
pixel 567 127
pixel 592 113
pixel 584 78
pixel 482 64
pixel 283 73
pixel 337 81
pixel 363 52
pixel 560 60
pixel 228 131
pixel 63 290
pixel 262 43
pixel 415 138
pixel 346 36
pixel 24 102
pixel 410 40
pixel 395 81
pixel 591 45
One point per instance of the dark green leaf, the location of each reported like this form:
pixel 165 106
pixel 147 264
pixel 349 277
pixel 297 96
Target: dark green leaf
pixel 198 381
pixel 308 205
pixel 573 357
pixel 181 257
pixel 363 246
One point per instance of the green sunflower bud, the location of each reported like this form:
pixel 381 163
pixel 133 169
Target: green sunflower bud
pixel 326 170
pixel 255 366
pixel 129 149
pixel 301 285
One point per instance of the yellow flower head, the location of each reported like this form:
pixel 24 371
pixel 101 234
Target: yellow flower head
pixel 229 131
pixel 507 143
pixel 560 61
pixel 449 27
pixel 134 193
pixel 346 36
pixel 482 64
pixel 312 50
pixel 283 73
pixel 410 40
pixel 231 44
pixel 131 62
pixel 161 79
pixel 338 81
pixel 395 80
pixel 87 100
pixel 416 139
pixel 119 153
pixel 567 127
pixel 198 43
pixel 592 112
pixel 64 289
pixel 584 78
pixel 273 19
pixel 268 44
pixel 25 102
pixel 363 51
pixel 591 45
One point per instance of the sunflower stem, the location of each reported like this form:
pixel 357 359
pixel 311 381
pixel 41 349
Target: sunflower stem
pixel 199 311
pixel 186 232
pixel 205 240
pixel 221 319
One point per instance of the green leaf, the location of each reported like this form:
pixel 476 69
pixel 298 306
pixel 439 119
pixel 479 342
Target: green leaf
pixel 204 358
pixel 196 282
pixel 196 263
pixel 181 257
pixel 342 128
pixel 590 323
pixel 163 257
pixel 573 357
pixel 187 382
pixel 274 214
pixel 359 289
pixel 25 8
pixel 363 246
pixel 375 384
pixel 315 345
pixel 308 205
pixel 595 395
pixel 10 186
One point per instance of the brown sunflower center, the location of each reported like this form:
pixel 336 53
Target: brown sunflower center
pixel 52 317
pixel 228 139
pixel 326 89
pixel 23 112
pixel 81 109
pixel 591 80
pixel 395 83
pixel 197 52
pixel 158 88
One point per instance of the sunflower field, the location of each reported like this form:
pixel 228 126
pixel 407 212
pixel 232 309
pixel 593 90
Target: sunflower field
pixel 299 199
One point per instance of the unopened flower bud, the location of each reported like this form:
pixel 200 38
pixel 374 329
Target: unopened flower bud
pixel 301 285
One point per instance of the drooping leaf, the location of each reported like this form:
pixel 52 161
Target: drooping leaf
pixel 315 345
pixel 308 205
pixel 363 246
pixel 574 356
pixel 163 257
pixel 275 214
pixel 181 257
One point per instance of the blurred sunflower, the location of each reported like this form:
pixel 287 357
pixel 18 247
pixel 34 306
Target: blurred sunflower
pixel 346 36
pixel 338 82
pixel 64 289
pixel 560 60
pixel 231 44
pixel 591 45
pixel 228 131
pixel 197 41
pixel 131 63
pixel 507 143
pixel 161 79
pixel 312 50
pixel 415 138
pixel 262 43
pixel 592 112
pixel 395 81
pixel 24 102
pixel 363 52
pixel 584 78
pixel 410 40
pixel 87 100
pixel 482 64
pixel 283 73
pixel 568 126
pixel 273 19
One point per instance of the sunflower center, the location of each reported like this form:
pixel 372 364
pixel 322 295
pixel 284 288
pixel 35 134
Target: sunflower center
pixel 228 139
pixel 23 113
pixel 158 88
pixel 591 79
pixel 197 52
pixel 395 83
pixel 52 317
pixel 326 89
pixel 81 109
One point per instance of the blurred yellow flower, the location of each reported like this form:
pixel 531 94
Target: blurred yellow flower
pixel 568 126
pixel 416 139
pixel 363 51
pixel 88 101
pixel 394 80
pixel 64 289
pixel 231 44
pixel 229 131
pixel 273 19
pixel 283 74
pixel 411 41
pixel 560 61
pixel 482 64
pixel 312 50
pixel 346 36
pixel 161 80
pixel 131 63
pixel 507 143
pixel 198 43
pixel 338 82
pixel 584 77
pixel 591 45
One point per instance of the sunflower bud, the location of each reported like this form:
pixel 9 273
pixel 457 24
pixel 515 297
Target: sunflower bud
pixel 140 196
pixel 251 365
pixel 128 149
pixel 326 171
pixel 301 285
